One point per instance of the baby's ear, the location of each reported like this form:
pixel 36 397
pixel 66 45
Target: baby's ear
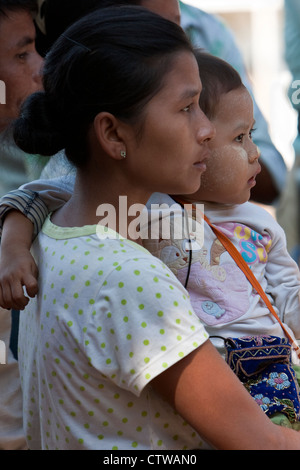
pixel 107 130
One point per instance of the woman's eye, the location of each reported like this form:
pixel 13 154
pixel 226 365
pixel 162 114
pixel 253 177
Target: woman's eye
pixel 186 109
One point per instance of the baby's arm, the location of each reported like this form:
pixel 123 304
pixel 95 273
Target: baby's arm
pixel 18 267
pixel 36 199
pixel 24 212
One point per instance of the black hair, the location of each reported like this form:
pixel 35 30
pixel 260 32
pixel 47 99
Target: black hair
pixel 217 77
pixel 7 6
pixel 58 15
pixel 113 60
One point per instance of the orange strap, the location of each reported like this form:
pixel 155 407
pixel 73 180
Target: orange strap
pixel 239 260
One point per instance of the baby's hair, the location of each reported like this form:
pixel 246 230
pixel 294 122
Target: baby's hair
pixel 112 60
pixel 217 77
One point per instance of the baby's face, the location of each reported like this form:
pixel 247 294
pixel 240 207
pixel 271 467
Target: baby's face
pixel 233 165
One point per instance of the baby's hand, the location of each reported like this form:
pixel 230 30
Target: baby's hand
pixel 17 270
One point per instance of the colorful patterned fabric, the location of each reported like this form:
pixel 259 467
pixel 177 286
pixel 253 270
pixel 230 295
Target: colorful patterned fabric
pixel 263 364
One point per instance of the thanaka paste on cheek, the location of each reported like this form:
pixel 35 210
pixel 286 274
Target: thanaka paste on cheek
pixel 218 173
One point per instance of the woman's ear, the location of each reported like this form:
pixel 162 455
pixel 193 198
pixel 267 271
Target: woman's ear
pixel 109 134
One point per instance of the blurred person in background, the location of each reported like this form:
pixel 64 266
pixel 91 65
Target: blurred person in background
pixel 20 66
pixel 288 209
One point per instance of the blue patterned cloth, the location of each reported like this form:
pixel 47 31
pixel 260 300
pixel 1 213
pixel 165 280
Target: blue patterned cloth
pixel 263 364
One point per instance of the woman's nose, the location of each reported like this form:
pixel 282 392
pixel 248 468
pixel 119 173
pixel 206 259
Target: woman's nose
pixel 206 129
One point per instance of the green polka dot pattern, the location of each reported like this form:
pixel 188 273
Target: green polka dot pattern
pixel 109 318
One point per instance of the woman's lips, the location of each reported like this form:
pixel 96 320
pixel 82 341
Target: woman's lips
pixel 201 164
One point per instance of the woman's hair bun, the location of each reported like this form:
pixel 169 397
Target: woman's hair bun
pixel 37 130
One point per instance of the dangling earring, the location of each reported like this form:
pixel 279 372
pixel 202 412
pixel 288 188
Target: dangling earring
pixel 123 153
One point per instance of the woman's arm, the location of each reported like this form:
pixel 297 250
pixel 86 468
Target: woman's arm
pixel 204 390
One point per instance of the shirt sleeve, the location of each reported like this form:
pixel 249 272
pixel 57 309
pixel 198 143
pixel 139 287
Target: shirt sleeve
pixel 36 199
pixel 28 203
pixel 145 319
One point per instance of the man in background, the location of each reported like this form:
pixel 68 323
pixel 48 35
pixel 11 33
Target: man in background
pixel 20 66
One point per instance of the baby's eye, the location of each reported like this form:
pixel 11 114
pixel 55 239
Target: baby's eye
pixel 240 138
pixel 251 133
